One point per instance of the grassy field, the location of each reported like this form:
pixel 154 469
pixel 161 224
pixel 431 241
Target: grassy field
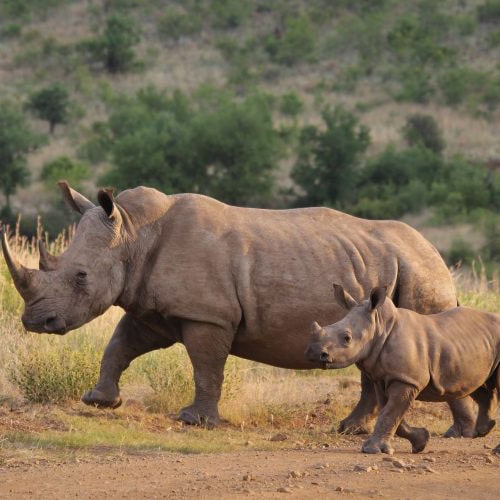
pixel 42 378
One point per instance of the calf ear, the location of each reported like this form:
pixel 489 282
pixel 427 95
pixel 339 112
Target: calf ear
pixel 73 199
pixel 107 202
pixel 377 297
pixel 342 297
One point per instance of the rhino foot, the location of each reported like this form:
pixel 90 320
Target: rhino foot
pixel 193 415
pixel 497 450
pixel 460 429
pixel 355 427
pixel 98 399
pixel 419 439
pixel 484 428
pixel 373 446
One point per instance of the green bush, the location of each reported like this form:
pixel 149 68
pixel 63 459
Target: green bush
pixel 460 252
pixel 423 130
pixel 489 12
pixel 175 23
pixel 229 14
pixel 11 30
pixel 327 160
pixel 291 104
pixel 57 375
pixel 416 85
pixel 64 168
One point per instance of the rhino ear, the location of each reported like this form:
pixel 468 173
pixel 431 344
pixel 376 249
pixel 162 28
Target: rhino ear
pixel 342 297
pixel 107 202
pixel 73 199
pixel 377 297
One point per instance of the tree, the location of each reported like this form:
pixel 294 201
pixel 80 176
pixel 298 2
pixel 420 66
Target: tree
pixel 63 167
pixel 327 160
pixel 423 130
pixel 51 104
pixel 16 140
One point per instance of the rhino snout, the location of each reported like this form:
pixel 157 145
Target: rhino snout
pixel 52 323
pixel 324 356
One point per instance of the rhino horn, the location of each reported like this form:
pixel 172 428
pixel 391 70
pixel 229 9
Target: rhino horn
pixel 47 261
pixel 22 276
pixel 316 331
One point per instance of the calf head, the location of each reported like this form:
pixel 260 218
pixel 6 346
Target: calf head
pixel 80 284
pixel 347 341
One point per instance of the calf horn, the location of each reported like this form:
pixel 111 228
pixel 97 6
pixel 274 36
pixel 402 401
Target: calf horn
pixel 316 331
pixel 47 262
pixel 22 276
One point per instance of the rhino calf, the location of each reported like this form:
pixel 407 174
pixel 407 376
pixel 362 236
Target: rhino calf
pixel 408 356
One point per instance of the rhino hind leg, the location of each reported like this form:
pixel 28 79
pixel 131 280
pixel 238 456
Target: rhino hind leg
pixel 208 347
pixel 418 436
pixel 129 340
pixel 360 420
pixel 486 399
pixel 464 419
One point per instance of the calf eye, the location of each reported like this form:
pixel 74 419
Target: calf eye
pixel 347 338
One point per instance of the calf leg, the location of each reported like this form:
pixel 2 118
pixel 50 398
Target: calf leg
pixel 130 339
pixel 463 418
pixel 208 347
pixel 399 398
pixel 418 436
pixel 359 420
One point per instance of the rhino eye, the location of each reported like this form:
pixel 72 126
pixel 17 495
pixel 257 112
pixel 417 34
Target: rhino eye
pixel 81 277
pixel 347 338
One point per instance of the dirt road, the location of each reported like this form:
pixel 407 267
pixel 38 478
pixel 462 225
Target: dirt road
pixel 461 468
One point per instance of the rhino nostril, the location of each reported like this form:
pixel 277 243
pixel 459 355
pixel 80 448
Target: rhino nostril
pixel 55 323
pixel 323 356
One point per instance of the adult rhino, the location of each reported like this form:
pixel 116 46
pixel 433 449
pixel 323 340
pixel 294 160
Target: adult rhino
pixel 223 280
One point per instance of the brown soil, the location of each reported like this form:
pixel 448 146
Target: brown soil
pixel 459 468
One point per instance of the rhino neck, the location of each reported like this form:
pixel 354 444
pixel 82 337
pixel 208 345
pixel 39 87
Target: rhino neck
pixel 385 321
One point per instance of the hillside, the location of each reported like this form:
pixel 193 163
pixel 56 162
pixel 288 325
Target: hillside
pixel 383 60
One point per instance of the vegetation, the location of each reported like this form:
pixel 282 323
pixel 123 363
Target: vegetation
pixel 50 104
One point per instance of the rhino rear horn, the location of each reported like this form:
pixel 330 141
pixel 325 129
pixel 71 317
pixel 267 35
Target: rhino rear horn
pixel 22 276
pixel 47 261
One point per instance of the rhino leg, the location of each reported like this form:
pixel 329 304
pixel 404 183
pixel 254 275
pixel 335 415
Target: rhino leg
pixel 418 436
pixel 486 400
pixel 130 339
pixel 208 347
pixel 464 419
pixel 399 398
pixel 359 421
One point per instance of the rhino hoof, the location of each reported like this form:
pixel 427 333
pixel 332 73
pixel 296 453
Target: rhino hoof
pixel 497 450
pixel 97 400
pixel 192 417
pixel 483 430
pixel 419 440
pixel 372 447
pixel 457 430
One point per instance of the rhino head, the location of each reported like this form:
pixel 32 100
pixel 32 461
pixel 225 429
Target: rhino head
pixel 348 341
pixel 69 290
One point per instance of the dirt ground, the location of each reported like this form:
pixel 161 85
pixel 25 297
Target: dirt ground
pixel 457 468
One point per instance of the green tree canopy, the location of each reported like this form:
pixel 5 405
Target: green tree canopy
pixel 50 104
pixel 327 163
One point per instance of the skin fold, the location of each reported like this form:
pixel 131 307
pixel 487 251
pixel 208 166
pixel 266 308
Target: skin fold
pixel 223 280
pixel 408 356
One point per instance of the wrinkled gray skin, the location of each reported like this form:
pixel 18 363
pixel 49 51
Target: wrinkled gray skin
pixel 222 280
pixel 440 357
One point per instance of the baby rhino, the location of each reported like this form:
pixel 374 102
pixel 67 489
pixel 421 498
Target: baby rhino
pixel 440 357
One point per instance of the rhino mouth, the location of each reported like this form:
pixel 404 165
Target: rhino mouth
pixel 332 365
pixel 51 324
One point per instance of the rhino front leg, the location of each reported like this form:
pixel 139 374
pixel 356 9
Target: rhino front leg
pixel 399 398
pixel 130 339
pixel 208 347
pixel 359 421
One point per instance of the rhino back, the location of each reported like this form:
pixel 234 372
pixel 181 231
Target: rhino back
pixel 268 273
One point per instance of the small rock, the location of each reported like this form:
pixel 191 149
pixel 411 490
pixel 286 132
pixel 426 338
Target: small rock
pixel 388 459
pixel 315 483
pixel 396 470
pixel 429 459
pixel 487 447
pixel 365 468
pixel 490 460
pixel 325 465
pixel 284 489
pixel 426 468
pixel 339 488
pixel 294 473
pixel 248 443
pixel 399 464
pixel 248 477
pixel 279 437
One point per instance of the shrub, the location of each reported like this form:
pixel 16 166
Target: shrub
pixel 175 24
pixel 489 12
pixel 229 14
pixel 57 375
pixel 460 251
pixel 50 104
pixel 423 130
pixel 64 168
pixel 416 85
pixel 325 168
pixel 291 104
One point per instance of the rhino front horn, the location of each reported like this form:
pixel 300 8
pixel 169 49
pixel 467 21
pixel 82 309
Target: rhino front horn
pixel 22 276
pixel 316 330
